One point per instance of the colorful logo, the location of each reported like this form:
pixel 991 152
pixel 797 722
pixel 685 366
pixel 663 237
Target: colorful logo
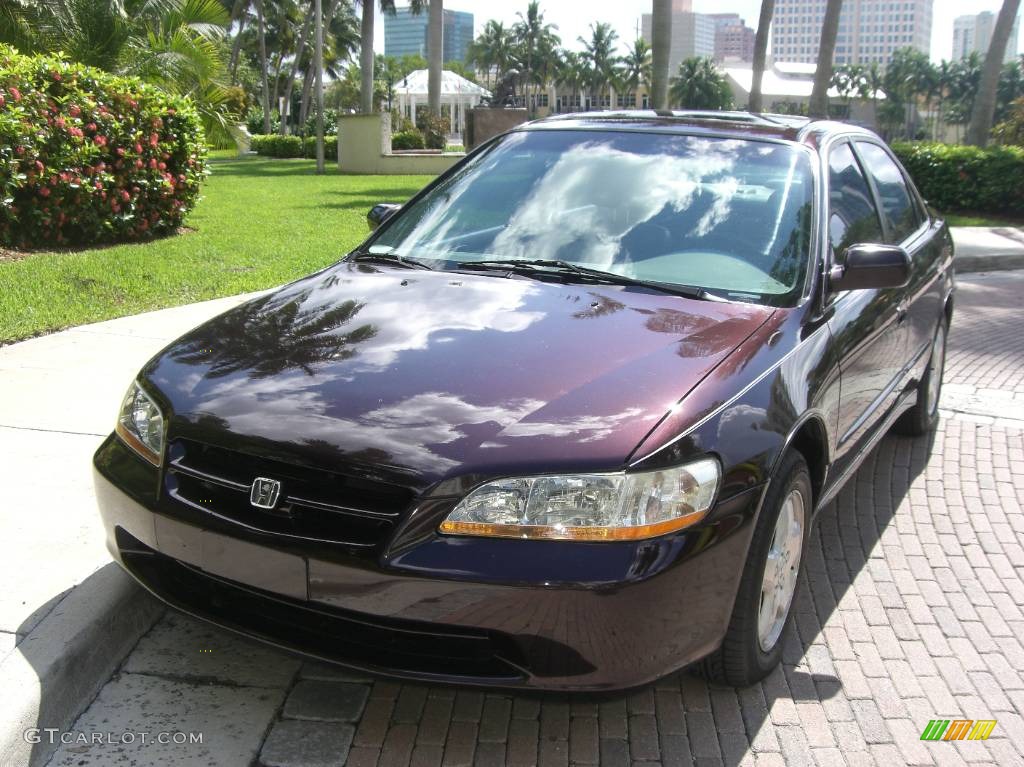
pixel 958 729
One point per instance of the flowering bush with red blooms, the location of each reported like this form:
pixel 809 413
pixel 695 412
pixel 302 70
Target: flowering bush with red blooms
pixel 89 157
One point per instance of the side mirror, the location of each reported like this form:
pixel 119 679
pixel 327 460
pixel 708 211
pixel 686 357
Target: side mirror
pixel 871 266
pixel 380 213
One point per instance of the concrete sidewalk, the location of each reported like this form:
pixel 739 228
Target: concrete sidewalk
pixel 988 249
pixel 59 395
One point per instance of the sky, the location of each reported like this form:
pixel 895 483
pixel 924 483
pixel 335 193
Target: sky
pixel 574 17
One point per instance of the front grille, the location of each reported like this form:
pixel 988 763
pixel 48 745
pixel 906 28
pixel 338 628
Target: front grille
pixel 314 505
pixel 386 644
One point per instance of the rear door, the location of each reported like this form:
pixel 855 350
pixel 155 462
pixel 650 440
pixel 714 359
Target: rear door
pixel 907 223
pixel 867 325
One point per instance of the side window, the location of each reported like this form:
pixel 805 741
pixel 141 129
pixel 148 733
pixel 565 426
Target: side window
pixel 899 210
pixel 852 216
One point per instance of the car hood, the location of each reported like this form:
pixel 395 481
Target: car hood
pixel 439 374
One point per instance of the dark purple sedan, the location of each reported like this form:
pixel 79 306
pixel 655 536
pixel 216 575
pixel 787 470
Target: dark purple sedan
pixel 563 420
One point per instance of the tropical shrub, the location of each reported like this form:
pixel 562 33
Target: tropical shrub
pixel 293 146
pixel 1011 129
pixel 408 139
pixel 89 157
pixel 435 130
pixel 273 145
pixel 330 148
pixel 953 177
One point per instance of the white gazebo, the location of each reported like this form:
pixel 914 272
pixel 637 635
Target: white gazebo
pixel 458 93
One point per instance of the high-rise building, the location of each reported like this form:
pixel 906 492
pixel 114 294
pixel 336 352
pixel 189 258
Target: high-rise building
pixel 734 40
pixel 406 33
pixel 974 33
pixel 693 34
pixel 869 30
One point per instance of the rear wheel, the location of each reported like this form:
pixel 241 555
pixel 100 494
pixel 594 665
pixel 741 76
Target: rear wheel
pixel 924 416
pixel 752 646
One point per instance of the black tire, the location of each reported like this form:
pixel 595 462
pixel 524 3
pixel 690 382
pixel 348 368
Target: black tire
pixel 923 417
pixel 741 660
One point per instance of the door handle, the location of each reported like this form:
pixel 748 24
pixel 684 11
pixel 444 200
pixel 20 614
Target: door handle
pixel 901 313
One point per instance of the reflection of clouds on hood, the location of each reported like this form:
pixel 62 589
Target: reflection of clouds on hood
pixel 292 404
pixel 601 193
pixel 586 428
pixel 404 323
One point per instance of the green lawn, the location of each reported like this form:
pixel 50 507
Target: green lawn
pixel 980 219
pixel 260 223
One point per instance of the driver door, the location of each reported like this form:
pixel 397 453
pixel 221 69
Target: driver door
pixel 867 326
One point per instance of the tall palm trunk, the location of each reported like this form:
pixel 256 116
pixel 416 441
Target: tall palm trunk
pixel 307 90
pixel 366 58
pixel 826 51
pixel 303 33
pixel 435 55
pixel 661 41
pixel 318 57
pixel 985 102
pixel 764 23
pixel 264 84
pixel 238 13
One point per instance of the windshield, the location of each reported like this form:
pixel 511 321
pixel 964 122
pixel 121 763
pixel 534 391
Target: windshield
pixel 731 216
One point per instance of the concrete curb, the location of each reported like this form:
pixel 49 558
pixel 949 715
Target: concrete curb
pixel 989 262
pixel 53 674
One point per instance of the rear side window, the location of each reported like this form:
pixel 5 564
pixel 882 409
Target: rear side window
pixel 852 215
pixel 897 207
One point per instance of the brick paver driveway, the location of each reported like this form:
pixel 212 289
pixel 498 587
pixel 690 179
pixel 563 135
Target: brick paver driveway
pixel 911 611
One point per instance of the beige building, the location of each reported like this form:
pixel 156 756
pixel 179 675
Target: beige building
pixel 974 33
pixel 869 30
pixel 734 40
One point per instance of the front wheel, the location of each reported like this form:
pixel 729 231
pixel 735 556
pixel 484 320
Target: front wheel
pixel 923 417
pixel 752 646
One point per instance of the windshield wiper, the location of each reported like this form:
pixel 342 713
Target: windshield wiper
pixel 389 257
pixel 551 266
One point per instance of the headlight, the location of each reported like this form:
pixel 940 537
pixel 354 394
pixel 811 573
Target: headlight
pixel 589 507
pixel 141 424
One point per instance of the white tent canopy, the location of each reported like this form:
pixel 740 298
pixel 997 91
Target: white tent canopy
pixel 457 93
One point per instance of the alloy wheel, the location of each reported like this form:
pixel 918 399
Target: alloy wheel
pixel 935 367
pixel 781 569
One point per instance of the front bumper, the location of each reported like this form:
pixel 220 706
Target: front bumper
pixel 501 613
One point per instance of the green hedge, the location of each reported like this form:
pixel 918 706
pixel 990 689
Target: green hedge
pixel 966 178
pixel 89 157
pixel 273 145
pixel 408 139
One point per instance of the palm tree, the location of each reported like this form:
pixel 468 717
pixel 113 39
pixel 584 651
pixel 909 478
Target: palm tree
pixel 600 52
pixel 661 34
pixel 909 75
pixel 818 106
pixel 636 68
pixel 699 85
pixel 533 37
pixel 491 52
pixel 435 55
pixel 764 23
pixel 985 103
pixel 366 60
pixel 573 72
pixel 264 83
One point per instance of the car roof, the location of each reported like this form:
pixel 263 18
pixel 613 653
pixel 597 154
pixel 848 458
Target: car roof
pixel 713 123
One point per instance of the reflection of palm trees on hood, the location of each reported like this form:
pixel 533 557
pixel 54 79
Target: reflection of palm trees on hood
pixel 277 338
